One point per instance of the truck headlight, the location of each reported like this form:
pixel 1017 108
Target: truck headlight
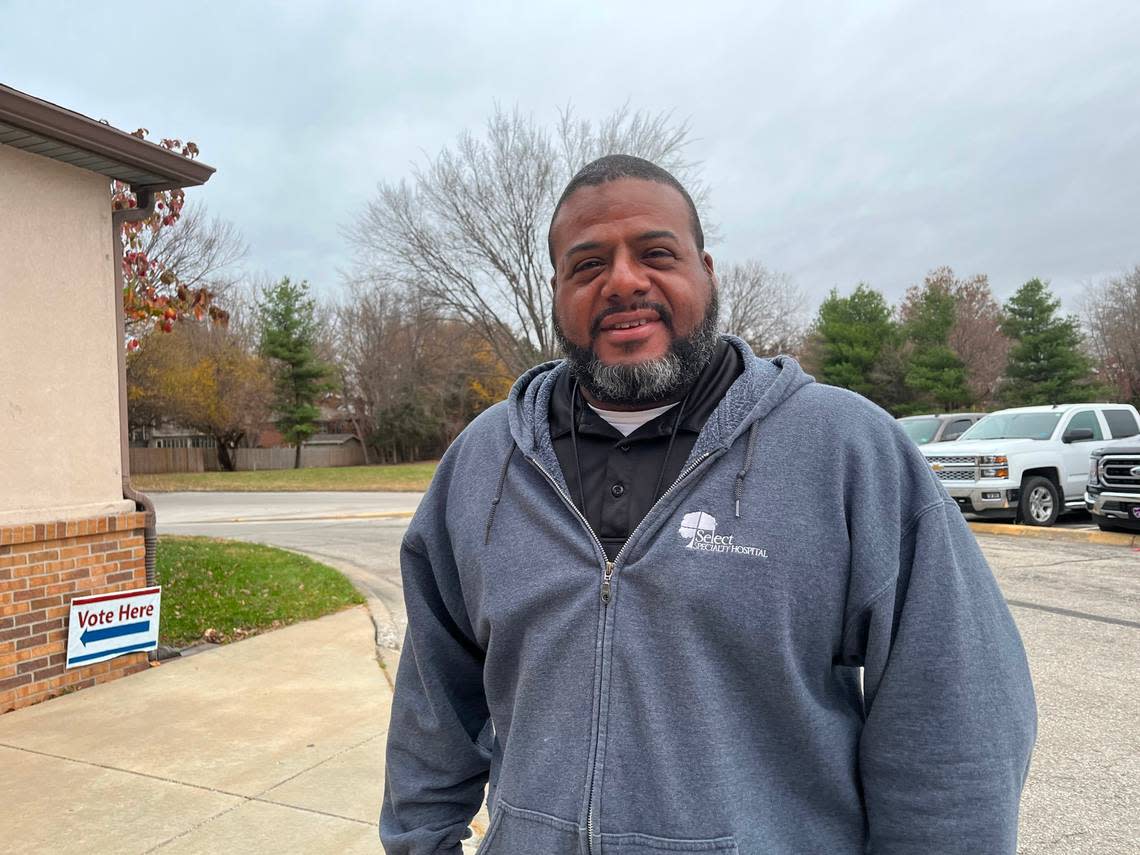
pixel 993 460
pixel 1001 472
pixel 1094 471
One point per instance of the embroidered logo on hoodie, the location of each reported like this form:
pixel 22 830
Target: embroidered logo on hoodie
pixel 699 529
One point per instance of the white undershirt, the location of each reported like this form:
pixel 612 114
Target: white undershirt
pixel 627 421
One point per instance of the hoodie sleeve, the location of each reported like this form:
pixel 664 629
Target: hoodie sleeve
pixel 435 768
pixel 950 713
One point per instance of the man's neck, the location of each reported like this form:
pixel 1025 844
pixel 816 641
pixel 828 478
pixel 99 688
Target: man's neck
pixel 628 407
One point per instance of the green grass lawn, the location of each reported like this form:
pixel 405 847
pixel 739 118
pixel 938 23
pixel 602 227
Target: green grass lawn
pixel 404 477
pixel 240 589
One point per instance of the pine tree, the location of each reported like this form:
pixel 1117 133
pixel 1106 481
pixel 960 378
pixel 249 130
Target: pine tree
pixel 1046 363
pixel 853 333
pixel 934 368
pixel 288 334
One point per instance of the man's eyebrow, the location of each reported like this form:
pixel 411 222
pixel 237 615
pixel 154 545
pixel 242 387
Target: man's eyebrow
pixel 654 235
pixel 581 247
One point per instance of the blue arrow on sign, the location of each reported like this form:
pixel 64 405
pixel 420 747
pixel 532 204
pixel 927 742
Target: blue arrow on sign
pixel 114 631
pixel 109 653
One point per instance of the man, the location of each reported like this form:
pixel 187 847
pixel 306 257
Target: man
pixel 640 592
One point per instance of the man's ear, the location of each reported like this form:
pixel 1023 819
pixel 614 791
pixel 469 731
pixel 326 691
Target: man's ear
pixel 707 261
pixel 554 282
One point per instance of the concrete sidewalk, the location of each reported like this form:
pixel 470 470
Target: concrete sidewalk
pixel 272 744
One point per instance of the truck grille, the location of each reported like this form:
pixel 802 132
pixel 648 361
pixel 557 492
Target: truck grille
pixel 954 468
pixel 1118 471
pixel 955 475
pixel 947 460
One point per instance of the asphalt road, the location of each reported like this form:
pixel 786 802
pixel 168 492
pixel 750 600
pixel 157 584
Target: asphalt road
pixel 1077 606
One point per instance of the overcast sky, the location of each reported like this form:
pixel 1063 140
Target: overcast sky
pixel 842 142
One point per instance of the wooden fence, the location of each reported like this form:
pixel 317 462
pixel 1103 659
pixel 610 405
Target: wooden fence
pixel 149 461
pixel 154 461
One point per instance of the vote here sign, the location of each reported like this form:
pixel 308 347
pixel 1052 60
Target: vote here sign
pixel 109 625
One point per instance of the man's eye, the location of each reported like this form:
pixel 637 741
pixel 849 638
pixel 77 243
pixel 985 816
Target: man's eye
pixel 588 264
pixel 659 254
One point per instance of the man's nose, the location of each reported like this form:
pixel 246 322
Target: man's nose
pixel 626 280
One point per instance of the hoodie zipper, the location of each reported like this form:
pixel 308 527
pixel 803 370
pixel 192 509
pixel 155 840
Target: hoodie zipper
pixel 607 575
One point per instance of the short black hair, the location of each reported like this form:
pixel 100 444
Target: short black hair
pixel 611 168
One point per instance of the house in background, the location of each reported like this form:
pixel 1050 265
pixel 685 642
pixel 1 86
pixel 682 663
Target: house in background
pixel 70 523
pixel 169 447
pixel 169 435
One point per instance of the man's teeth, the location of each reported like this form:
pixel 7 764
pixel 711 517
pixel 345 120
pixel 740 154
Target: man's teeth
pixel 629 325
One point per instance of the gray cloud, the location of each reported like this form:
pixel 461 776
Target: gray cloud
pixel 842 142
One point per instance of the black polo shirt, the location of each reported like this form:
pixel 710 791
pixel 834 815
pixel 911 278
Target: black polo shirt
pixel 620 473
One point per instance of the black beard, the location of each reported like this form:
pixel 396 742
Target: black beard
pixel 653 381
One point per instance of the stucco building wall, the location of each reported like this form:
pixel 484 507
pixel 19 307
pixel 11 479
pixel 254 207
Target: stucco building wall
pixel 59 405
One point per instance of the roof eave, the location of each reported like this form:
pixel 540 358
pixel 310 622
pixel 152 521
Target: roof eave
pixel 54 122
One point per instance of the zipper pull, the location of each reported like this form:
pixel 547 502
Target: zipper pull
pixel 606 581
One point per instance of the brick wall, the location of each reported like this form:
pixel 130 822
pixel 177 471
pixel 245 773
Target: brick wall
pixel 41 568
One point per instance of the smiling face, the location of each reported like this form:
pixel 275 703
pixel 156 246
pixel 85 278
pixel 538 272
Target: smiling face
pixel 631 287
pixel 620 245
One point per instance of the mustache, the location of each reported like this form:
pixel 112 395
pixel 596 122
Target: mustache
pixel 663 314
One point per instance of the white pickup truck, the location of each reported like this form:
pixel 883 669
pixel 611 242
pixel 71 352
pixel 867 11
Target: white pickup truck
pixel 1030 462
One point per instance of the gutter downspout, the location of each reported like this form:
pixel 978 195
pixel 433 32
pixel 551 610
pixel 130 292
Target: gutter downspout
pixel 143 209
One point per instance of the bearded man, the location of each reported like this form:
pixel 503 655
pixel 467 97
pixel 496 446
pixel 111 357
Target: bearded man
pixel 671 597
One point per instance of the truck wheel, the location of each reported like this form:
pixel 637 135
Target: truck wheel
pixel 1040 503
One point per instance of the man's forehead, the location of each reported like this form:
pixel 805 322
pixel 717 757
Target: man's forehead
pixel 618 200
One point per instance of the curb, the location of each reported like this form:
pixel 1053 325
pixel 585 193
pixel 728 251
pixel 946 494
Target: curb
pixel 376 515
pixel 1107 538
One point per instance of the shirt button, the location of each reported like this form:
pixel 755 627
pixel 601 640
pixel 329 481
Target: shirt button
pixel 617 490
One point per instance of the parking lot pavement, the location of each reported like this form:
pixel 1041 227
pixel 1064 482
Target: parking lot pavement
pixel 1078 608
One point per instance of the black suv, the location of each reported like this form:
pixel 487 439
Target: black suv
pixel 1113 492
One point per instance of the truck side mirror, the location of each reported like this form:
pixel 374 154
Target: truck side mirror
pixel 1077 435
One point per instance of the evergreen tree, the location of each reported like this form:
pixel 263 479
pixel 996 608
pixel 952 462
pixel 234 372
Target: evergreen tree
pixel 934 369
pixel 1046 363
pixel 852 333
pixel 288 336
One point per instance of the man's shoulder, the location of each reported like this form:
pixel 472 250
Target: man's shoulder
pixel 841 408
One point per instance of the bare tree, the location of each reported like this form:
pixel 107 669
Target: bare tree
pixel 977 337
pixel 1112 315
pixel 366 325
pixel 410 379
pixel 241 302
pixel 467 231
pixel 762 307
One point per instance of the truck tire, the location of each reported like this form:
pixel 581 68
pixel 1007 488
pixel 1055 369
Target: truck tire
pixel 1040 501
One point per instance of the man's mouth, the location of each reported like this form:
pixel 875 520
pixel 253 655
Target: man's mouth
pixel 628 325
pixel 630 318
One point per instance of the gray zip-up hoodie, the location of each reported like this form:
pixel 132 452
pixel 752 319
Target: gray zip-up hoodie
pixel 701 693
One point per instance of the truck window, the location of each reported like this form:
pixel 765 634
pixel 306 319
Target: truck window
pixel 1086 419
pixel 1014 426
pixel 1121 423
pixel 956 428
pixel 920 430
